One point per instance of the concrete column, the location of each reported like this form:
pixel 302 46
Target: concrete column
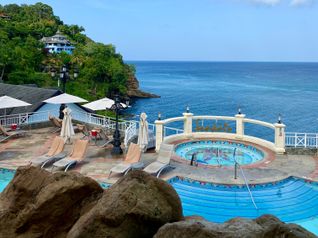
pixel 239 125
pixel 187 127
pixel 159 133
pixel 280 138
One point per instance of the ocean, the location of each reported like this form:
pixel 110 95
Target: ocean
pixel 262 91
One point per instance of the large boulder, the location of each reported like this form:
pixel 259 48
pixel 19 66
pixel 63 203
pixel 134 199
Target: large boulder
pixel 136 206
pixel 273 227
pixel 37 203
pixel 266 226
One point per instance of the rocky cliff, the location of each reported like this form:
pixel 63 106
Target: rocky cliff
pixel 135 92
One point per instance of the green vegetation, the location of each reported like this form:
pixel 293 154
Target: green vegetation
pixel 24 61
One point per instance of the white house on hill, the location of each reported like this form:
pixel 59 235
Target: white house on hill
pixel 58 43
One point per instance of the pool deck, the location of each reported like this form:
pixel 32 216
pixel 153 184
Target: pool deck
pixel 98 162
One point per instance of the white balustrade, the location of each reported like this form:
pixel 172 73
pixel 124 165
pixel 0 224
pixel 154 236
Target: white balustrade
pixel 162 131
pixel 282 138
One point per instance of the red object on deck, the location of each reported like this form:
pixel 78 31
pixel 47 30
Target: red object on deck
pixel 14 126
pixel 94 133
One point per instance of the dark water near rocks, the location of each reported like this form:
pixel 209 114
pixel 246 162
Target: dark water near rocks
pixel 261 90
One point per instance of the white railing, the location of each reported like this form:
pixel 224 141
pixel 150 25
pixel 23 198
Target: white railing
pixel 301 140
pixel 171 131
pixel 130 132
pixel 226 132
pixel 292 139
pixel 89 118
pixel 127 127
pixel 26 118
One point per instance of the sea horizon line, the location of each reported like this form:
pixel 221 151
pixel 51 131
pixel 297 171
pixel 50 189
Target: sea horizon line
pixel 220 61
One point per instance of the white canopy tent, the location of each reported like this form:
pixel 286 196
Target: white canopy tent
pixel 65 98
pixel 101 104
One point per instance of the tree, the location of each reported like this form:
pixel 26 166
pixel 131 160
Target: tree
pixel 23 60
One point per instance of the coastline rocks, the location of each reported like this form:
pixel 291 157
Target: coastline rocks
pixel 135 92
pixel 37 203
pixel 136 206
pixel 266 226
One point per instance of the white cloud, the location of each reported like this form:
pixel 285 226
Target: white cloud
pixel 297 3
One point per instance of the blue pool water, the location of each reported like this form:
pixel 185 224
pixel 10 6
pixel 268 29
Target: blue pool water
pixel 262 90
pixel 292 200
pixel 5 177
pixel 219 152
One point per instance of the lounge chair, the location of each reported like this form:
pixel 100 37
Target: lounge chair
pixel 56 122
pixel 163 160
pixel 133 156
pixel 5 135
pixel 105 139
pixel 76 156
pixel 54 154
pixel 83 129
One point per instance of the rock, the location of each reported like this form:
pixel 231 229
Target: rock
pixel 266 226
pixel 37 203
pixel 273 227
pixel 135 92
pixel 136 206
pixel 204 229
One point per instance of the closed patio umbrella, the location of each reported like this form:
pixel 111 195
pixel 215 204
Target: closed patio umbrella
pixel 143 132
pixel 101 104
pixel 67 130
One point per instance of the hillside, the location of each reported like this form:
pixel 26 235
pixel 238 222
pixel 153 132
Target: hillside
pixel 23 59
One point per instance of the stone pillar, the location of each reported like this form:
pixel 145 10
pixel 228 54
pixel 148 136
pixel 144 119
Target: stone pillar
pixel 159 133
pixel 239 125
pixel 280 138
pixel 187 127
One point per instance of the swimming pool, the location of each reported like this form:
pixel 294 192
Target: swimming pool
pixel 219 152
pixel 6 175
pixel 292 200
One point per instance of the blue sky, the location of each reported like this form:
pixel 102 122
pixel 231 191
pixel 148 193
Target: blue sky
pixel 198 30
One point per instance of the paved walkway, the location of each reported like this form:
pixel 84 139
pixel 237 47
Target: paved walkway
pixel 18 152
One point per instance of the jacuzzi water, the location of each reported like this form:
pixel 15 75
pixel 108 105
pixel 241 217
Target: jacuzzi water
pixel 219 152
pixel 292 200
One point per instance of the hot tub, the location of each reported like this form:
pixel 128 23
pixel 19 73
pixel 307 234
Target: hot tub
pixel 219 153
